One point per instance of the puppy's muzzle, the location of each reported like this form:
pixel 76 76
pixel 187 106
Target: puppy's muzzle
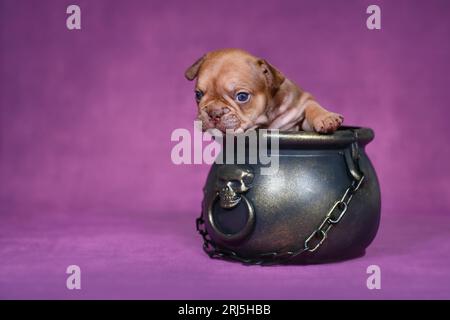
pixel 215 113
pixel 222 118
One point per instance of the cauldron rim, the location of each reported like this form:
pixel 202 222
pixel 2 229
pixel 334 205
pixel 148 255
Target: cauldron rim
pixel 344 136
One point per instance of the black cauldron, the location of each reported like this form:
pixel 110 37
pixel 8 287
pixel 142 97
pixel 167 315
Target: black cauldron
pixel 322 205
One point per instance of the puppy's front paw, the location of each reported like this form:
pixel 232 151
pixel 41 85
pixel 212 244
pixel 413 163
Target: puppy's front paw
pixel 327 122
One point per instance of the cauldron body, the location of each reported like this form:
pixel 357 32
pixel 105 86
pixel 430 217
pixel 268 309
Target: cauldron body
pixel 278 212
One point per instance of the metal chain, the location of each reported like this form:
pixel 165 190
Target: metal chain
pixel 311 244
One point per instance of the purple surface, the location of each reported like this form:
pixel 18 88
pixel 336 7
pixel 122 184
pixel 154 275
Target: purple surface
pixel 86 117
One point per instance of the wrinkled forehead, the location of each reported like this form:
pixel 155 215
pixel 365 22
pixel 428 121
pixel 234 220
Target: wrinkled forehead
pixel 229 74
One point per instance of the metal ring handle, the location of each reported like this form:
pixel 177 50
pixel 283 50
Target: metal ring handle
pixel 235 237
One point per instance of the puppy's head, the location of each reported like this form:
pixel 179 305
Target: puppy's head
pixel 233 89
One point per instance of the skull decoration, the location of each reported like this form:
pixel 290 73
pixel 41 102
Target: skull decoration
pixel 232 181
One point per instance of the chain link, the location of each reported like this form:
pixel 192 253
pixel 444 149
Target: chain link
pixel 333 217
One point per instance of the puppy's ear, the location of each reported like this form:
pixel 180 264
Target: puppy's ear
pixel 192 72
pixel 273 76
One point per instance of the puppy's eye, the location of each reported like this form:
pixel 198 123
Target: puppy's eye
pixel 242 97
pixel 198 95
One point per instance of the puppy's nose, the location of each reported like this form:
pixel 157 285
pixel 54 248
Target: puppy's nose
pixel 217 112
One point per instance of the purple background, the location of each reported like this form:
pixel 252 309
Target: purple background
pixel 86 116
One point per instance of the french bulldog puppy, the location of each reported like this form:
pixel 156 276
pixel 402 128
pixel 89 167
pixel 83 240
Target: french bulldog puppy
pixel 236 91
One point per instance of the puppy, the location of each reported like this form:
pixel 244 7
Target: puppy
pixel 236 91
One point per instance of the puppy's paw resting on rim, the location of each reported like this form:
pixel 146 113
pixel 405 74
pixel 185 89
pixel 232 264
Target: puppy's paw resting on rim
pixel 327 122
